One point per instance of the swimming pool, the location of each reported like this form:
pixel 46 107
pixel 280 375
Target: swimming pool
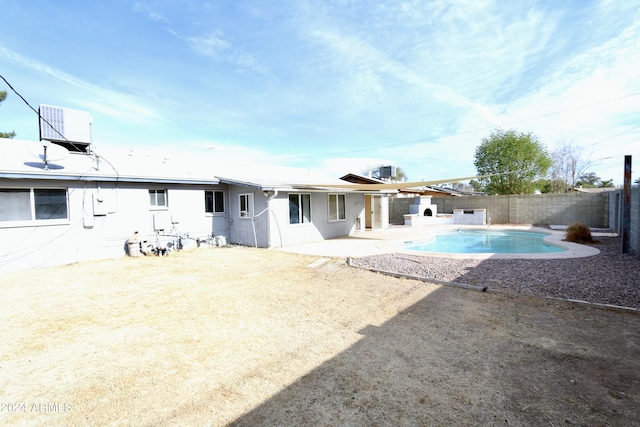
pixel 469 241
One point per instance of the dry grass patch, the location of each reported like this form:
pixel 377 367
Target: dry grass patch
pixel 206 333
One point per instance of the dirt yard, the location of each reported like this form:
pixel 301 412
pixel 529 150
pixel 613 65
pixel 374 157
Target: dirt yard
pixel 253 337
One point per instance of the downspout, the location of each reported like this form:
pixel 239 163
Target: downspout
pixel 275 217
pixel 270 195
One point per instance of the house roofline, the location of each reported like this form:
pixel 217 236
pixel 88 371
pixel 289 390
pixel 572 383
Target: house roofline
pixel 248 184
pixel 106 178
pixel 300 187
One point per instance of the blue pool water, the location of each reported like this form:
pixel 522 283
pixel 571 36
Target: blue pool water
pixel 485 241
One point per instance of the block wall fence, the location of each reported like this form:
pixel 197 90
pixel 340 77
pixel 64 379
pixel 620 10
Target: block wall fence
pixel 614 208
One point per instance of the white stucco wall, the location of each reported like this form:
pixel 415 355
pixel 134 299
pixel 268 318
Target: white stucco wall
pixel 285 234
pixel 97 230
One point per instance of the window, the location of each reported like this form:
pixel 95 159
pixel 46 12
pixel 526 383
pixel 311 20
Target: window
pixel 337 207
pixel 158 199
pixel 50 204
pixel 15 205
pixel 299 208
pixel 246 205
pixel 214 201
pixel 33 204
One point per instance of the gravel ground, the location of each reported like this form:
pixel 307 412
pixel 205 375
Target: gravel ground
pixel 608 278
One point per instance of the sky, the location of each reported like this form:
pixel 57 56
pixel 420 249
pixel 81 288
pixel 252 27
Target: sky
pixel 334 86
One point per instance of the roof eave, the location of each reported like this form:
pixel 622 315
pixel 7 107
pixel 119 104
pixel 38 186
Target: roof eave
pixel 106 178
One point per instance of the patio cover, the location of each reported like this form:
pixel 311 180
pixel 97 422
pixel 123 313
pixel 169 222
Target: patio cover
pixel 395 185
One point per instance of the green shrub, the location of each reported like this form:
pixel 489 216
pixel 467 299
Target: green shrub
pixel 579 233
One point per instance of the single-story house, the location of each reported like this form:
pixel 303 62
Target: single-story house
pixel 76 205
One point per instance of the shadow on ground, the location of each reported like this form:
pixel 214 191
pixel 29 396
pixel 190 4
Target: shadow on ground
pixel 461 357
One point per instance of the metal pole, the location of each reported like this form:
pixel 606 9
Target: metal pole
pixel 626 207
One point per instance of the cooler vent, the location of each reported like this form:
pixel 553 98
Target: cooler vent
pixel 66 127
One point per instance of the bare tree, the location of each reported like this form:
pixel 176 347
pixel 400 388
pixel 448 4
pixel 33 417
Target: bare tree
pixel 567 166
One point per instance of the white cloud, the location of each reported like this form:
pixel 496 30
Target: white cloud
pixel 152 14
pixel 411 83
pixel 83 94
pixel 207 45
pixel 594 86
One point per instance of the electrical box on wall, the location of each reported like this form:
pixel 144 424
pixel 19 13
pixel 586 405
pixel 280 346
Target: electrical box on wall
pixel 161 221
pixel 100 207
pixel 88 221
